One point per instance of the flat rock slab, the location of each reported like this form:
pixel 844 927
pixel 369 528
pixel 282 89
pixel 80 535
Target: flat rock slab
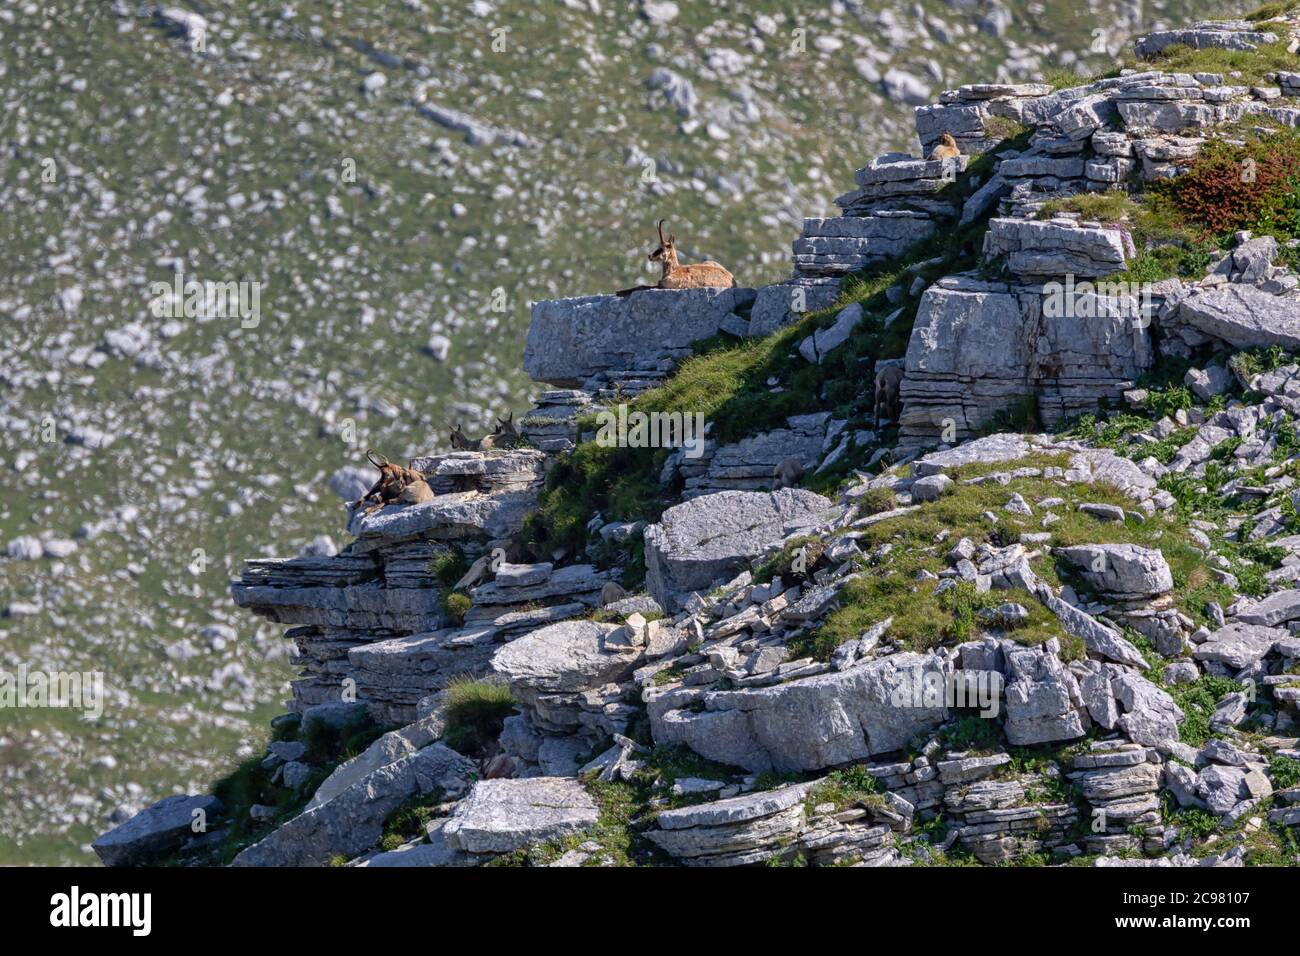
pixel 1239 645
pixel 708 539
pixel 994 449
pixel 562 658
pixel 815 722
pixel 449 517
pixel 1244 316
pixel 571 340
pixel 749 806
pixel 1276 608
pixel 501 816
pixel 159 828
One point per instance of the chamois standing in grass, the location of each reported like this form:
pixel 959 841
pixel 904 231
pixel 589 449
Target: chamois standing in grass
pixel 701 275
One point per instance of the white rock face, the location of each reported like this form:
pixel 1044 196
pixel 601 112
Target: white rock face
pixel 500 816
pixel 811 723
pixel 708 539
pixel 570 340
pixel 1122 571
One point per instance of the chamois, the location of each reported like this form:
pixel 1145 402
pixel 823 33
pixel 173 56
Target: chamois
pixel 701 275
pixel 503 436
pixel 393 485
pixel 787 474
pixel 947 148
pixel 506 435
pixel 462 442
pixel 888 380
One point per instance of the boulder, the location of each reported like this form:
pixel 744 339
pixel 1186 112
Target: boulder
pixel 501 816
pixel 1277 608
pixel 707 540
pixel 873 707
pixel 1121 571
pixel 352 821
pixel 155 830
pixel 1238 645
pixel 562 658
pixel 1243 316
pixel 571 340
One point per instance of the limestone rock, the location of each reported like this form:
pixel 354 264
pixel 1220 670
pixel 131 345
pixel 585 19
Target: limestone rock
pixel 500 816
pixel 571 340
pixel 155 830
pixel 706 540
pixel 353 820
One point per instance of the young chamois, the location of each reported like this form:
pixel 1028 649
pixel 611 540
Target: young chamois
pixel 701 275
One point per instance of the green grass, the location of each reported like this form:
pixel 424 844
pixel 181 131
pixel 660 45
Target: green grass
pixel 1285 772
pixel 1254 65
pixel 408 821
pixel 476 711
pixel 1197 701
pixel 844 788
pixel 1111 206
pixel 923 619
pixel 746 386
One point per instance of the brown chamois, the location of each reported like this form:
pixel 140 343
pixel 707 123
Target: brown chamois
pixel 506 435
pixel 701 275
pixel 947 148
pixel 888 380
pixel 503 436
pixel 462 442
pixel 392 485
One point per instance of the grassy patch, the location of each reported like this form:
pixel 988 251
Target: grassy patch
pixel 1285 772
pixel 476 711
pixel 843 788
pixel 920 539
pixel 408 821
pixel 1254 65
pixel 1198 701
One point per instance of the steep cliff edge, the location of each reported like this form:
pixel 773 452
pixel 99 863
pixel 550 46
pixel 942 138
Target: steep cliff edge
pixel 814 633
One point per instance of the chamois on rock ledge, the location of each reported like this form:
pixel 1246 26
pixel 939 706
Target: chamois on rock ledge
pixel 700 275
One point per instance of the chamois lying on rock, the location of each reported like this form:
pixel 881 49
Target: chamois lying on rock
pixel 503 436
pixel 947 148
pixel 395 485
pixel 701 275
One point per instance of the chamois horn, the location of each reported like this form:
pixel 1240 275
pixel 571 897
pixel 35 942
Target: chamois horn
pixel 660 227
pixel 371 456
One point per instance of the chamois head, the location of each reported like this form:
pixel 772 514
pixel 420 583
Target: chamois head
pixel 459 441
pixel 667 247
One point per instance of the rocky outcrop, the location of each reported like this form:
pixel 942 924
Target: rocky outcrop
pixel 572 341
pixel 500 816
pixel 706 540
pixel 157 830
pixel 352 821
pixel 809 723
pixel 979 348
